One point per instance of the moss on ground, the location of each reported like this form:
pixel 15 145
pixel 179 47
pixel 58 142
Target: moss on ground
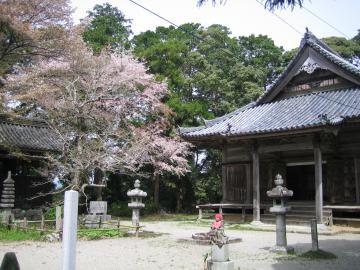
pixel 318 255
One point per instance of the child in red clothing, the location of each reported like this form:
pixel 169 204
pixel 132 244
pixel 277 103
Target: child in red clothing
pixel 218 223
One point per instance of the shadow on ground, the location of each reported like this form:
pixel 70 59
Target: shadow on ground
pixel 347 252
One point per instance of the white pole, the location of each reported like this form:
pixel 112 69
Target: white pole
pixel 70 229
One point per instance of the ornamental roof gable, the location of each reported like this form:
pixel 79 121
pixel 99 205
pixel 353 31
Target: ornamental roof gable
pixel 313 57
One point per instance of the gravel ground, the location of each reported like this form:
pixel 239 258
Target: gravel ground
pixel 167 252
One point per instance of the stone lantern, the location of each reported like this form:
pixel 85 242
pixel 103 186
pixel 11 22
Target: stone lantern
pixel 280 195
pixel 136 195
pixel 7 198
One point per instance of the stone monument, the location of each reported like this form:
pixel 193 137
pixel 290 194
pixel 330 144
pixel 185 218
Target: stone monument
pixel 280 195
pixel 219 256
pixel 136 203
pixel 7 199
pixel 97 214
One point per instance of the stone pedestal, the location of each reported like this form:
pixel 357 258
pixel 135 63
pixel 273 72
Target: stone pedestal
pixel 98 215
pixel 219 259
pixel 220 254
pixel 6 215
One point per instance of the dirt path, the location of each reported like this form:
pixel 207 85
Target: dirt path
pixel 166 252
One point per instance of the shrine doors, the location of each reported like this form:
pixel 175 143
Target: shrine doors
pixel 236 183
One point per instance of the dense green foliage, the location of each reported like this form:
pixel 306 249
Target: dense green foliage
pixel 347 48
pixel 209 74
pixel 108 27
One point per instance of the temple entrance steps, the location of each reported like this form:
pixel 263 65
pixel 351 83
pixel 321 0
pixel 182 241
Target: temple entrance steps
pixel 300 214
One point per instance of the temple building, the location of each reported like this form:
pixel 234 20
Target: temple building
pixel 23 147
pixel 305 126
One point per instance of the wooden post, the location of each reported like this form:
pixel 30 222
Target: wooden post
pixel 318 183
pixel 118 226
pixel 223 183
pixel 58 219
pixel 8 222
pixel 42 223
pixel 25 224
pixel 243 209
pixel 248 184
pixel 357 179
pixel 256 186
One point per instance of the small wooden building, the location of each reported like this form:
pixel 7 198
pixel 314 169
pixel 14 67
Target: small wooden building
pixel 23 146
pixel 305 126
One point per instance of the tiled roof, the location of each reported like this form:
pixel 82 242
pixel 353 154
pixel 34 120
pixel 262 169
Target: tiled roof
pixel 312 41
pixel 299 112
pixel 26 134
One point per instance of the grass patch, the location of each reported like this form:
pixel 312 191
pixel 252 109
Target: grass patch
pixel 96 235
pixel 18 235
pixel 318 255
pixel 89 234
pixel 170 217
pixel 246 227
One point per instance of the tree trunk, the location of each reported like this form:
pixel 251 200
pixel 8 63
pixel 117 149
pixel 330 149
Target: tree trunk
pixel 98 179
pixel 179 198
pixel 156 190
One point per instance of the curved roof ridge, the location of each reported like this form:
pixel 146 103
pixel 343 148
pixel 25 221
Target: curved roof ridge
pixel 322 48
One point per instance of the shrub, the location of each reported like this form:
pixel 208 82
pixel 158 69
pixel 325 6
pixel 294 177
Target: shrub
pixel 119 209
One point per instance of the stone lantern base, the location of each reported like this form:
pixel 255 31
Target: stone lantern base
pixel 6 215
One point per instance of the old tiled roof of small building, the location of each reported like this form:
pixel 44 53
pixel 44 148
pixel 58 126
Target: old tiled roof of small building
pixel 26 134
pixel 298 112
pixel 312 41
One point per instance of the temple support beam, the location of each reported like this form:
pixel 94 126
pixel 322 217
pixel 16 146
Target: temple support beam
pixel 256 186
pixel 318 183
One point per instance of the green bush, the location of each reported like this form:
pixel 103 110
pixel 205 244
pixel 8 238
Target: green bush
pixel 119 209
pixel 150 208
pixel 51 212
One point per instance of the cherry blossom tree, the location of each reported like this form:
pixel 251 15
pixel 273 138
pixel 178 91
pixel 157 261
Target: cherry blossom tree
pixel 106 109
pixel 31 27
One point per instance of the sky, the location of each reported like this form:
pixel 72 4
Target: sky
pixel 242 17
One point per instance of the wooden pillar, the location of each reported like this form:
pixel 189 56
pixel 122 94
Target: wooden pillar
pixel 318 183
pixel 224 178
pixel 256 185
pixel 357 179
pixel 248 185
